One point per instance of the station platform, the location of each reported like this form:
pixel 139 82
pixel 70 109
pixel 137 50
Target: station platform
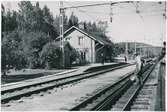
pixel 160 99
pixel 64 73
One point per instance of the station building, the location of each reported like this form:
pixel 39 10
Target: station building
pixel 87 44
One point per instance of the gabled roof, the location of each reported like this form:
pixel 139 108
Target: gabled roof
pixel 101 40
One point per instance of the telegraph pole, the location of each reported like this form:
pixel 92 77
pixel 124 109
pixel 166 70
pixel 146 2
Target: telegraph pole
pixel 62 33
pixel 126 49
pixel 135 47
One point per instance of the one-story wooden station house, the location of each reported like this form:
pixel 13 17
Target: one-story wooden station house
pixel 89 46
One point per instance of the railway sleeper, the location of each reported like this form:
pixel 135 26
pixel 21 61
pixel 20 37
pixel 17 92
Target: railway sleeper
pixel 141 102
pixel 141 107
pixel 144 96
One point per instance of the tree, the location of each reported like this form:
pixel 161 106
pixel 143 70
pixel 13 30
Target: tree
pixel 12 52
pixel 47 15
pixel 33 47
pixel 85 26
pixel 25 18
pixel 9 22
pixel 73 20
pixel 94 27
pixel 48 26
pixel 50 55
pixel 3 17
pixel 25 34
pixel 89 26
pixel 38 18
pixel 102 26
pixel 56 24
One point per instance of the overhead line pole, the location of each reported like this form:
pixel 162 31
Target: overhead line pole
pixel 61 21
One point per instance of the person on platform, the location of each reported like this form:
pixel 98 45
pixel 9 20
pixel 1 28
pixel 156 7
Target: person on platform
pixel 125 59
pixel 138 74
pixel 163 51
pixel 102 58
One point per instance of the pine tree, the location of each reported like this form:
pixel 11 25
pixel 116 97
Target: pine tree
pixel 73 20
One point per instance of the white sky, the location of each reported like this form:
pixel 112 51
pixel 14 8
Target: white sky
pixel 126 26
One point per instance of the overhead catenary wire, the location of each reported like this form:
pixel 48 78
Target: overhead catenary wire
pixel 142 13
pixel 85 12
pixel 138 13
pixel 97 12
pixel 99 4
pixel 79 10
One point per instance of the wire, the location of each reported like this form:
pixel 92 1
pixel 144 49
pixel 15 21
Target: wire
pixel 82 11
pixel 137 11
pixel 88 5
pixel 135 4
pixel 93 12
pixel 85 12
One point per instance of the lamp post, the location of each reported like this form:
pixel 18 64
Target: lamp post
pixel 126 50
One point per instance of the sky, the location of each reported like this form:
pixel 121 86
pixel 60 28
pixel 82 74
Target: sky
pixel 149 26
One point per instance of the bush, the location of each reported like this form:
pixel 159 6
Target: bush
pixel 33 43
pixel 12 53
pixel 50 55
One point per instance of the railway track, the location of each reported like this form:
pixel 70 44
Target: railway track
pixel 118 96
pixel 27 90
pixel 127 99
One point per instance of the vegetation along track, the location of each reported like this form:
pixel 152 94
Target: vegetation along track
pixel 27 90
pixel 109 96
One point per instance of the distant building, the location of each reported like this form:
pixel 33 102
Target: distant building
pixel 88 45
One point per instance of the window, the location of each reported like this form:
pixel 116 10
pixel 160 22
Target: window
pixel 79 41
pixel 80 38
